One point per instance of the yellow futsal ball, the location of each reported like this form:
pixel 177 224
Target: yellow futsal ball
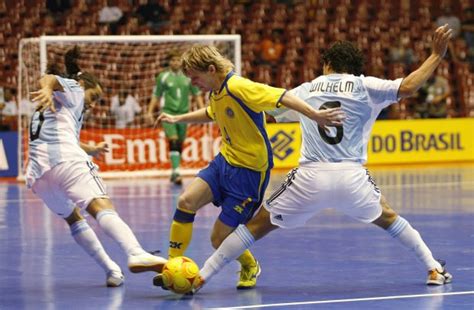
pixel 179 274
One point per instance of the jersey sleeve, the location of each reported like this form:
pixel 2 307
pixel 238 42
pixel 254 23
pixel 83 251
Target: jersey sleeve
pixel 158 86
pixel 210 112
pixel 380 91
pixel 285 115
pixel 259 97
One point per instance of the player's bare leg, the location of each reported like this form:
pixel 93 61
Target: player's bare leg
pixel 399 228
pixel 175 158
pixel 195 196
pixel 86 238
pixel 110 222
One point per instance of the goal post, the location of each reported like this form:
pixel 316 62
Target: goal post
pixel 126 67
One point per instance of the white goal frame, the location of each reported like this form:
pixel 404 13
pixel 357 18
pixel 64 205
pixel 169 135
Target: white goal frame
pixel 43 42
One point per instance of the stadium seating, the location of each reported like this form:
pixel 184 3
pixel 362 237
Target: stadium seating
pixel 309 26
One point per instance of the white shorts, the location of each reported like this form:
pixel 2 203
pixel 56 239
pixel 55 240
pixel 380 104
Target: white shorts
pixel 69 184
pixel 312 187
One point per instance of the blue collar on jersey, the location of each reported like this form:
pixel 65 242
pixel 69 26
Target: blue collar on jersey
pixel 231 73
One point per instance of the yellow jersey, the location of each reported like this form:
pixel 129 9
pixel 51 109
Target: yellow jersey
pixel 237 108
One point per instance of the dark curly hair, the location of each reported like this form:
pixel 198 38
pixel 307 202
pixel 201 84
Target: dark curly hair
pixel 344 57
pixel 73 71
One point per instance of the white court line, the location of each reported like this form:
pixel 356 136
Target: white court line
pixel 126 196
pixel 289 304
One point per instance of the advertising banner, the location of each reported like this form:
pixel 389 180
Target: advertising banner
pixel 8 154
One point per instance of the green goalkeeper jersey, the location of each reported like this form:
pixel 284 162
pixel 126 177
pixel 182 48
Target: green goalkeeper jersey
pixel 175 88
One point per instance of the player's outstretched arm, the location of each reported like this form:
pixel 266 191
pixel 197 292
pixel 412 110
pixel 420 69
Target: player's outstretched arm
pixel 328 117
pixel 417 78
pixel 199 116
pixel 44 96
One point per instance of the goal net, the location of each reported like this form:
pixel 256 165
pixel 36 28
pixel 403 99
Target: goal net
pixel 126 67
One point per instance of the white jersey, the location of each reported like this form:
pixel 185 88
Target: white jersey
pixel 361 98
pixel 54 137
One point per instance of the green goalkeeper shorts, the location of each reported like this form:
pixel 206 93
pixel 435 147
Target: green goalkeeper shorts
pixel 175 131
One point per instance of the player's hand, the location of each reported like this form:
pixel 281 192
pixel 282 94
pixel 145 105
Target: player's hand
pixel 164 117
pixel 330 117
pixel 149 119
pixel 44 99
pixel 100 149
pixel 441 39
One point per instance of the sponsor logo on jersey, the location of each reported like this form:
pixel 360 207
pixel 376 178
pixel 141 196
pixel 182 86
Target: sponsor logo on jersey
pixel 229 112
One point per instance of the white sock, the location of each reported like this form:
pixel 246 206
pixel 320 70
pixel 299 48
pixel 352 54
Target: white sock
pixel 87 239
pixel 237 242
pixel 117 229
pixel 411 239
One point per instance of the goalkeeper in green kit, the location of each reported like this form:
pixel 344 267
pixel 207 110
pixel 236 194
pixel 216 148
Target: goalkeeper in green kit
pixel 175 88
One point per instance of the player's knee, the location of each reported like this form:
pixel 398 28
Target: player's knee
pixel 74 217
pixel 261 224
pixel 388 215
pixel 185 203
pixel 99 204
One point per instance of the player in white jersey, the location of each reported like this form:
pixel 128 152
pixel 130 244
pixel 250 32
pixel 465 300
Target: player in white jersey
pixel 331 172
pixel 60 172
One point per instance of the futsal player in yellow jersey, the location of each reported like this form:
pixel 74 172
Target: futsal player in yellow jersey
pixel 237 177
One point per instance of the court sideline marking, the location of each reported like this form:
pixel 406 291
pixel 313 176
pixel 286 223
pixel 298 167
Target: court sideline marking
pixel 343 300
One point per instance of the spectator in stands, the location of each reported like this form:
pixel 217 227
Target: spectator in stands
pixel 3 126
pixel 124 107
pixel 27 108
pixel 8 111
pixel 10 108
pixel 449 18
pixel 454 23
pixel 402 52
pixel 468 31
pixel 58 7
pixel 175 88
pixel 112 15
pixel 151 13
pixel 272 47
pixel 438 93
pixel 432 98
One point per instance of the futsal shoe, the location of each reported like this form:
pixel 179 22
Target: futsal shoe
pixel 146 262
pixel 248 276
pixel 199 283
pixel 114 278
pixel 178 180
pixel 436 277
pixel 158 281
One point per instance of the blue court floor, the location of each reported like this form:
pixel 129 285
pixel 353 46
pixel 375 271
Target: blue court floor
pixel 332 263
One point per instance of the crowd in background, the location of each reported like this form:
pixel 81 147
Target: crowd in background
pixel 281 42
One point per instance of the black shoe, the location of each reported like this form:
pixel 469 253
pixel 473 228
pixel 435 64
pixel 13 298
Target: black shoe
pixel 178 180
pixel 158 281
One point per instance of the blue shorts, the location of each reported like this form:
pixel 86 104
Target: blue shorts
pixel 239 191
